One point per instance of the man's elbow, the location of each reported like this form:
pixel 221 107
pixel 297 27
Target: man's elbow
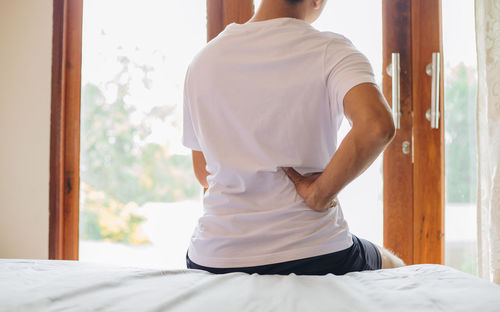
pixel 385 129
pixel 390 130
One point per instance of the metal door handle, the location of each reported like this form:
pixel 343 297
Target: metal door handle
pixel 433 69
pixel 394 70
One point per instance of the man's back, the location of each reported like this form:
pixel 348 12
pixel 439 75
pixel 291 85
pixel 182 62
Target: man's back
pixel 260 96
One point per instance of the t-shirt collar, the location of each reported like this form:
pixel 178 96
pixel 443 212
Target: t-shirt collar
pixel 269 22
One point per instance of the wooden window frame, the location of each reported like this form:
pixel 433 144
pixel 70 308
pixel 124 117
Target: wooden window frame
pixel 65 129
pixel 413 193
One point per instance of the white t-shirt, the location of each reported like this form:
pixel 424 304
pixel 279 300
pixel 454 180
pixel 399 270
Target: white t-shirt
pixel 259 96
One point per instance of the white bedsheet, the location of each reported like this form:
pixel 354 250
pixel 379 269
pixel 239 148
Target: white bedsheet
pixel 51 285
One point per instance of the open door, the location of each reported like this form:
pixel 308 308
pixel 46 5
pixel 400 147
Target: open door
pixel 414 161
pixel 413 180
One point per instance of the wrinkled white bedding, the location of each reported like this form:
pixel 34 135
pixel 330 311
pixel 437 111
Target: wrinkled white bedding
pixel 52 285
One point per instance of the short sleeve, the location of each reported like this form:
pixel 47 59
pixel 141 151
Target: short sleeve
pixel 348 67
pixel 189 138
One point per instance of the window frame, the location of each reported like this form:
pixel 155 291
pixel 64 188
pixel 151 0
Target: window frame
pixel 413 190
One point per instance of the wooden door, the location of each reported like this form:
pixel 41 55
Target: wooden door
pixel 413 182
pixel 414 177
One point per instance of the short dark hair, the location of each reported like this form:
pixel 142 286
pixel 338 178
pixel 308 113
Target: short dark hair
pixel 293 1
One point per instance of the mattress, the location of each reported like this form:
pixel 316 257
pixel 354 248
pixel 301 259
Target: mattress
pixel 56 285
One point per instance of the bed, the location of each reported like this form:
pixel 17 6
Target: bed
pixel 56 285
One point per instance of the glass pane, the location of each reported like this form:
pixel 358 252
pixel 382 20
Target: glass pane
pixel 140 200
pixel 460 79
pixel 361 201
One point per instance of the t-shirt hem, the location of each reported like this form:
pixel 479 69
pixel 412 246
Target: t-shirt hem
pixel 289 255
pixel 191 145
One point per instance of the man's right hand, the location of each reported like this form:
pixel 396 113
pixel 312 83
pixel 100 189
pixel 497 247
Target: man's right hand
pixel 307 189
pixel 372 129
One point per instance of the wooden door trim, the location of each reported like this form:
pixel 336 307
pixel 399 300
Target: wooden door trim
pixel 65 129
pixel 428 178
pixel 398 167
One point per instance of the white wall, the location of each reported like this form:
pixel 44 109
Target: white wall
pixel 25 78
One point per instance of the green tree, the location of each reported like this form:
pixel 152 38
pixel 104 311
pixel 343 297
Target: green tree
pixel 117 160
pixel 460 135
pixel 115 157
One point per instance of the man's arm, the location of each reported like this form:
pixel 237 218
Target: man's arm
pixel 372 130
pixel 199 166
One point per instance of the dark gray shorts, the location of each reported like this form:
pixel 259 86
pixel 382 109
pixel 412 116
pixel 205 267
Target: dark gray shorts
pixel 362 255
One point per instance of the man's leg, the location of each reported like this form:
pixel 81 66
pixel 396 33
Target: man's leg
pixel 389 260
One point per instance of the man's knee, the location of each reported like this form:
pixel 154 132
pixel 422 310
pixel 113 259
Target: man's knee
pixel 389 260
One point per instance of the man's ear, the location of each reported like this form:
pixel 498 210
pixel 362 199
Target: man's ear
pixel 317 3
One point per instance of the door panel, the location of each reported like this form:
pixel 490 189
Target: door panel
pixel 428 179
pixel 414 182
pixel 398 166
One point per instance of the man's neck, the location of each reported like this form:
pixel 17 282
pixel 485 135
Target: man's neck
pixel 275 9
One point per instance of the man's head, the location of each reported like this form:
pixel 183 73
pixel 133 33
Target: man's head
pixel 308 10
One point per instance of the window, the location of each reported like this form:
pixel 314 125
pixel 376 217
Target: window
pixel 413 182
pixel 139 199
pixel 460 77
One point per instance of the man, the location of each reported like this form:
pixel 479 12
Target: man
pixel 262 105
